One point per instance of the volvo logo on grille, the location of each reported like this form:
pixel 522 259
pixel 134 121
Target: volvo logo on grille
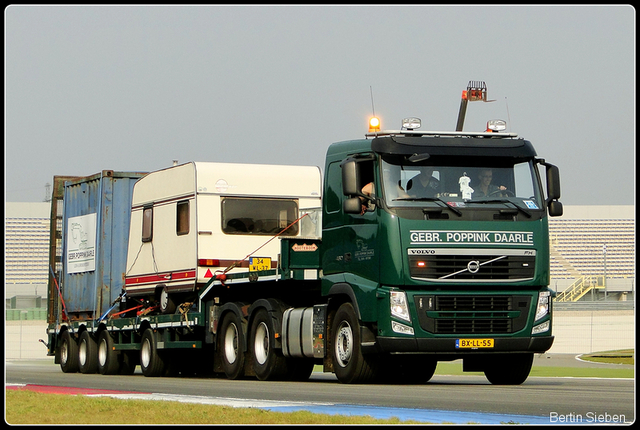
pixel 473 266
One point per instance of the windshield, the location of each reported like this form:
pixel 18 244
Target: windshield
pixel 460 182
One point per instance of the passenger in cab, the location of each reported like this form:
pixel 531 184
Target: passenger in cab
pixel 424 184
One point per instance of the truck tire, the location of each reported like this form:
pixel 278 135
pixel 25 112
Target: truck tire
pixel 107 356
pixel 231 346
pixel 349 364
pixel 68 353
pixel 87 353
pixel 151 362
pixel 268 363
pixel 509 369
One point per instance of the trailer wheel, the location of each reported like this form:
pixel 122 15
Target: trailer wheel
pixel 268 364
pixel 350 365
pixel 510 369
pixel 68 353
pixel 87 353
pixel 231 346
pixel 151 362
pixel 107 356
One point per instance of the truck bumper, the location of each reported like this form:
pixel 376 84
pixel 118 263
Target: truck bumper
pixel 448 346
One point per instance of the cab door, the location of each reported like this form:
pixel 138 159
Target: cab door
pixel 333 223
pixel 349 234
pixel 360 231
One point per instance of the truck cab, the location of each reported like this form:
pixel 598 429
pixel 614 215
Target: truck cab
pixel 439 240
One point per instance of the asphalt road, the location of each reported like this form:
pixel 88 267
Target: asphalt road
pixel 551 399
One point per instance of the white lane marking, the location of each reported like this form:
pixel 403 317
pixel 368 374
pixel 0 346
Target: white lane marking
pixel 207 400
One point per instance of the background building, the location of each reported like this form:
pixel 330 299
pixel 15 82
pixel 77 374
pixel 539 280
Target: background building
pixel 593 253
pixel 26 255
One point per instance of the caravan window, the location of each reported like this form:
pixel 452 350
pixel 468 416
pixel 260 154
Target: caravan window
pixel 147 224
pixel 182 218
pixel 259 216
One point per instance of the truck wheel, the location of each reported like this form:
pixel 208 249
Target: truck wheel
pixel 349 364
pixel 68 353
pixel 231 346
pixel 151 362
pixel 87 353
pixel 107 356
pixel 511 369
pixel 421 372
pixel 268 364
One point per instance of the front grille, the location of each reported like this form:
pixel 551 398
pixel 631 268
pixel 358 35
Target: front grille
pixel 473 303
pixel 473 326
pixel 472 267
pixel 472 314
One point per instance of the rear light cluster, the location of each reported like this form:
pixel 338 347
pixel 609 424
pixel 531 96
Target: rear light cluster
pixel 205 262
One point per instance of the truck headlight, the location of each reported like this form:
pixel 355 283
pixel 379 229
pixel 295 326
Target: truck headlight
pixel 544 301
pixel 399 305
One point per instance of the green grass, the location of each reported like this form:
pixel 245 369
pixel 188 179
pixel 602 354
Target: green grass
pixel 622 356
pixel 29 407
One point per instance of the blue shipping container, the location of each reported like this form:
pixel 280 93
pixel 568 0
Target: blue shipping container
pixel 95 234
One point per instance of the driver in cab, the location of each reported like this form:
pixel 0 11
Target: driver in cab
pixel 485 187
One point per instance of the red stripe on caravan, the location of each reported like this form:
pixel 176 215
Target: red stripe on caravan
pixel 166 277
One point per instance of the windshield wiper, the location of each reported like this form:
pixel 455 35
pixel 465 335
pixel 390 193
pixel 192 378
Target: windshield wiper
pixel 431 199
pixel 518 207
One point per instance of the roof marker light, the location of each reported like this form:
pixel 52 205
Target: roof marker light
pixel 496 125
pixel 411 123
pixel 374 124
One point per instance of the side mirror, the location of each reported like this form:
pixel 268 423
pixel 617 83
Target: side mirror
pixel 352 206
pixel 553 182
pixel 555 208
pixel 350 178
pixel 553 190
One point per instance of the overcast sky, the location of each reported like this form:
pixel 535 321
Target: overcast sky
pixel 131 88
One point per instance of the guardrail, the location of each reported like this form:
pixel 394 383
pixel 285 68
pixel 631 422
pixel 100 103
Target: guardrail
pixel 600 305
pixel 580 287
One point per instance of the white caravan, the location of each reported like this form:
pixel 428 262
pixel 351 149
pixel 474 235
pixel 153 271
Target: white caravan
pixel 194 221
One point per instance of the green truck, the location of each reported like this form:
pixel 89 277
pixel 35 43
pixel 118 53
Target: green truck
pixel 422 247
